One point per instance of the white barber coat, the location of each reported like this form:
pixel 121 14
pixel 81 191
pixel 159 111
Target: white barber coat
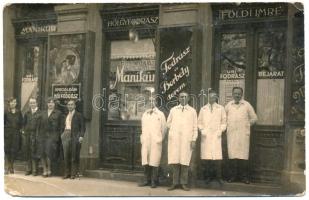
pixel 239 119
pixel 182 124
pixel 211 123
pixel 153 130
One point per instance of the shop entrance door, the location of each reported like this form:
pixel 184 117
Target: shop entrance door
pixel 30 70
pixel 254 57
pixel 130 77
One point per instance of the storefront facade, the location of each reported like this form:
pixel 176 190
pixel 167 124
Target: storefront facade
pixel 121 52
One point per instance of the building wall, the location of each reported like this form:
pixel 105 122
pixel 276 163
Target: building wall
pixel 8 52
pixel 81 18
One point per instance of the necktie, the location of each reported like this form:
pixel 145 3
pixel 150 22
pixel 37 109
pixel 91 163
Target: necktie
pixel 183 108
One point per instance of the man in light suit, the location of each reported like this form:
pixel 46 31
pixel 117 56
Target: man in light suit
pixel 182 124
pixel 153 130
pixel 72 138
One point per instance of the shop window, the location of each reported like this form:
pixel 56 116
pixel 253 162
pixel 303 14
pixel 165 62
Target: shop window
pixel 270 80
pixel 232 64
pixel 132 74
pixel 30 63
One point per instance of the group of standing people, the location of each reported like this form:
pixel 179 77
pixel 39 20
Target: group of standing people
pixel 44 131
pixel 182 126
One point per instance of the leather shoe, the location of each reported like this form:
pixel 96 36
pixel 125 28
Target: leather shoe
pixel 231 180
pixel 66 176
pixel 153 185
pixel 246 181
pixel 143 184
pixel 28 173
pixel 185 188
pixel 220 181
pixel 173 187
pixel 207 181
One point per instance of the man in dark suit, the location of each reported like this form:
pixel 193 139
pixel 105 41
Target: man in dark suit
pixel 72 138
pixel 32 120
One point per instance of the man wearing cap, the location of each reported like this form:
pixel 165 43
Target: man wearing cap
pixel 153 130
pixel 240 116
pixel 212 122
pixel 182 124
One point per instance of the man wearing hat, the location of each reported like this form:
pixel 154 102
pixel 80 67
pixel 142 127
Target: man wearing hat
pixel 153 130
pixel 212 122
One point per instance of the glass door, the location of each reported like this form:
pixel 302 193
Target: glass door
pixel 131 73
pixel 254 58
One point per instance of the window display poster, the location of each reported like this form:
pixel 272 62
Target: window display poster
pixel 66 60
pixel 175 62
pixel 30 59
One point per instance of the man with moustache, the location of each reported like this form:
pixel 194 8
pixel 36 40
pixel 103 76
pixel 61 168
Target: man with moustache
pixel 182 124
pixel 72 138
pixel 240 116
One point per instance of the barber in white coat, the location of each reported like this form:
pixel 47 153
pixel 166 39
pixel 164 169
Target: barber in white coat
pixel 240 116
pixel 153 130
pixel 182 124
pixel 212 122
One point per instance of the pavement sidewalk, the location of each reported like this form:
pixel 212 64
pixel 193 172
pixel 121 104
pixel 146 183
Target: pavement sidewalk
pixel 20 185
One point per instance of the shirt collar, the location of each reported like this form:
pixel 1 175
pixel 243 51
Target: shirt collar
pixel 185 107
pixel 240 102
pixel 153 109
pixel 72 112
pixel 34 110
pixel 214 105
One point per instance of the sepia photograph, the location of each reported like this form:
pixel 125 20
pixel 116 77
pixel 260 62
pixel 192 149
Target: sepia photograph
pixel 153 99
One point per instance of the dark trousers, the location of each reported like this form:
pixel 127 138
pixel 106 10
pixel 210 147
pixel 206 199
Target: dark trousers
pixel 180 174
pixel 239 169
pixel 71 150
pixel 31 157
pixel 212 169
pixel 151 174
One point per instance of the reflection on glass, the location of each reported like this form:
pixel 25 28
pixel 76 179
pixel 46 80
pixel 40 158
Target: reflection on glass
pixel 270 83
pixel 233 52
pixel 132 71
pixel 232 64
pixel 271 51
pixel 29 61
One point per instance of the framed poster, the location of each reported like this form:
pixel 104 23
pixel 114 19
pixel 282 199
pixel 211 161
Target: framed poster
pixel 70 69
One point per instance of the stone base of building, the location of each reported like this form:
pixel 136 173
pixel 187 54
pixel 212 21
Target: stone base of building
pixel 293 183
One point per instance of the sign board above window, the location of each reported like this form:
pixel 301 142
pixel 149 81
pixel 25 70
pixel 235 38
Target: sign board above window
pixel 126 18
